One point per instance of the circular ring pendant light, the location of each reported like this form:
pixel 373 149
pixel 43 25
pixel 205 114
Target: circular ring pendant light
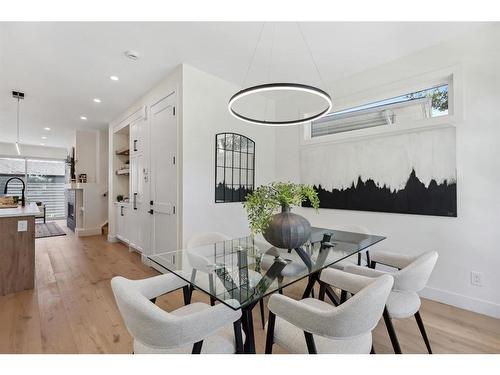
pixel 281 87
pixel 305 91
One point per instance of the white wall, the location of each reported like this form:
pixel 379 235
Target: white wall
pixel 471 241
pixel 33 151
pixel 205 114
pixel 86 154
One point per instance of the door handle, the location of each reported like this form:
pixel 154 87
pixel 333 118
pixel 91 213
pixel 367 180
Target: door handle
pixel 121 210
pixel 135 201
pixel 135 144
pixel 151 212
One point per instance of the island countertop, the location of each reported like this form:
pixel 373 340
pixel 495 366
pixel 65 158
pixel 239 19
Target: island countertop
pixel 31 209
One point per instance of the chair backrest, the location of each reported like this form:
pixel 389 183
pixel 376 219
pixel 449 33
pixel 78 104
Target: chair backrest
pixel 202 259
pixel 414 277
pixel 206 238
pixel 360 314
pixel 145 321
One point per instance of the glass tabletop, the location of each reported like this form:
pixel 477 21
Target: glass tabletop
pixel 249 268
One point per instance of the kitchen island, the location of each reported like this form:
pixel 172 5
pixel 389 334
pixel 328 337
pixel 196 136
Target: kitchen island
pixel 17 248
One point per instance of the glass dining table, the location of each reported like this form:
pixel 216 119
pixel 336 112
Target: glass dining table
pixel 240 272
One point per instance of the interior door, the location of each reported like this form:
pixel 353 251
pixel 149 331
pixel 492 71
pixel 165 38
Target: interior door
pixel 163 140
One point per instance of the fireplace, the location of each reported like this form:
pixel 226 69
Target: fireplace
pixel 70 216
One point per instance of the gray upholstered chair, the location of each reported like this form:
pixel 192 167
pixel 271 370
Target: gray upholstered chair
pixel 410 277
pixel 313 326
pixel 194 328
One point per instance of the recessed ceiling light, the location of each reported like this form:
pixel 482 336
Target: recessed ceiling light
pixel 83 118
pixel 97 100
pixel 48 129
pixel 42 144
pixel 132 55
pixel 44 137
pixel 114 78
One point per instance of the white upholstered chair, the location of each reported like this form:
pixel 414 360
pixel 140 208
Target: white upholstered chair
pixel 361 256
pixel 313 326
pixel 202 264
pixel 194 328
pixel 410 277
pixel 198 262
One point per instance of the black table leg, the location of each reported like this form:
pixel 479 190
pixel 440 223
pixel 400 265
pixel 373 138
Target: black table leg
pixel 310 285
pixel 247 320
pixel 331 294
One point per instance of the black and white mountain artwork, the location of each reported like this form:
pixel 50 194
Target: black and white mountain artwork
pixel 411 173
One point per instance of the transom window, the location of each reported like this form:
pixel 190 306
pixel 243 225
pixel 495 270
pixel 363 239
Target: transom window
pixel 419 105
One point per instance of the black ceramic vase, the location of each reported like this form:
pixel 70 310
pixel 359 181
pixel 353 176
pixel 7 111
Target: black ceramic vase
pixel 287 230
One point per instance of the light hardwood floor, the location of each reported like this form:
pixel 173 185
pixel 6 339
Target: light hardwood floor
pixel 72 309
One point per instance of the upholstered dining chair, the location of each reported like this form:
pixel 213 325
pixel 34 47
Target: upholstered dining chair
pixel 199 263
pixel 194 328
pixel 410 277
pixel 313 326
pixel 360 257
pixel 202 264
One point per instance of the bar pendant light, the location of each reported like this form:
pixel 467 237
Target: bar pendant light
pixel 19 96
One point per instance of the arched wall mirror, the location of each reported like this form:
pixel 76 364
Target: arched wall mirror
pixel 234 167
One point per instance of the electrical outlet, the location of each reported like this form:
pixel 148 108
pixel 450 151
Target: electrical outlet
pixel 476 278
pixel 22 225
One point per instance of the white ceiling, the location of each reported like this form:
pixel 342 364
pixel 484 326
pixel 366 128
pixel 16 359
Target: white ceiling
pixel 62 66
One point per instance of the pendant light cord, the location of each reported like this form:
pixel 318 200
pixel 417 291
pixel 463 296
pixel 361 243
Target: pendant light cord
pixel 254 53
pixel 18 102
pixel 311 56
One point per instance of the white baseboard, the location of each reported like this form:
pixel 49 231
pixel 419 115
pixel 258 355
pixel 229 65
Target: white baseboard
pixel 464 302
pixel 112 238
pixel 83 232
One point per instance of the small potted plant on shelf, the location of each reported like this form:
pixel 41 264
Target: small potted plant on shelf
pixel 282 229
pixel 70 162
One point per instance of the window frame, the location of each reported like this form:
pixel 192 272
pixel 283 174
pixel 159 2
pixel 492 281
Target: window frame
pixel 452 76
pixel 25 159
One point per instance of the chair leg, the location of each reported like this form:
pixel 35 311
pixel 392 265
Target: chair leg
pixel 197 347
pixel 238 337
pixel 367 258
pixel 420 324
pixel 270 333
pixel 372 351
pixel 311 346
pixel 186 292
pixel 211 288
pixel 343 296
pixel 392 332
pixel 372 264
pixel 322 292
pixel 262 319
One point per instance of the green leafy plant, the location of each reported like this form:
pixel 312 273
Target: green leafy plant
pixel 266 200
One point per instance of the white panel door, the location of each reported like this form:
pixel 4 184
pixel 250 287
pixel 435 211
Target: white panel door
pixel 137 135
pixel 163 141
pixel 139 231
pixel 123 223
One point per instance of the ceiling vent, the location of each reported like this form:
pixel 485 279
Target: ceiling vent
pixel 132 55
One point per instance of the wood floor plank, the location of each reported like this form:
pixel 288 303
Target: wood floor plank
pixel 72 309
